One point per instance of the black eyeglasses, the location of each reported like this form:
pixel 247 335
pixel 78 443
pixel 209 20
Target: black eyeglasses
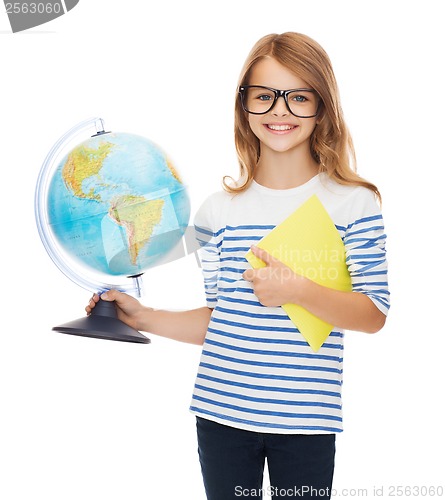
pixel 259 100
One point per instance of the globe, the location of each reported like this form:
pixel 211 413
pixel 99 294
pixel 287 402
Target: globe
pixel 108 209
pixel 117 204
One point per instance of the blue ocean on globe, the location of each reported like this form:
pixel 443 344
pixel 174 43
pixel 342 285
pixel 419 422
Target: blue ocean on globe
pixel 117 205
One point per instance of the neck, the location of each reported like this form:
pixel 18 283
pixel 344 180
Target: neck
pixel 285 170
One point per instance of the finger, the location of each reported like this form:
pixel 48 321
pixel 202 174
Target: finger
pixel 110 295
pixel 107 296
pixel 94 300
pixel 266 257
pixel 249 274
pixel 91 303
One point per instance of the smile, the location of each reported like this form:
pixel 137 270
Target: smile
pixel 280 128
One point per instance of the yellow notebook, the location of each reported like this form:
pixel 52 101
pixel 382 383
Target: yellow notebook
pixel 309 243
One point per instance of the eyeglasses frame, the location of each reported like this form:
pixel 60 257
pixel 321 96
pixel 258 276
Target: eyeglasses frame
pixel 278 93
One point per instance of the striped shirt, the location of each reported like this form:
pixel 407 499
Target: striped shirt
pixel 256 371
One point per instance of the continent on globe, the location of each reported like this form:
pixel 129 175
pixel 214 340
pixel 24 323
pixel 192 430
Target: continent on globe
pixel 139 217
pixel 173 170
pixel 84 162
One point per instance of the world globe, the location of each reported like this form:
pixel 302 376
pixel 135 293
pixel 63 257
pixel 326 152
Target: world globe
pixel 117 204
pixel 107 210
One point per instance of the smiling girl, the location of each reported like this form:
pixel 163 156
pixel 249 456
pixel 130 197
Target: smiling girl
pixel 261 392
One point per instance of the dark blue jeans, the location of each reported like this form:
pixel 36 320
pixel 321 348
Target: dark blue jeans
pixel 232 463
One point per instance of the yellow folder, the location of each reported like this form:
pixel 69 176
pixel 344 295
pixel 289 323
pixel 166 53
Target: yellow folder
pixel 309 243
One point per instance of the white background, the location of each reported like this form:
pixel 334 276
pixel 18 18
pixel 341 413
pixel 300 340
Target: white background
pixel 96 420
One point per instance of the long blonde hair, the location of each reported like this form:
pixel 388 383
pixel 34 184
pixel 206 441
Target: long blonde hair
pixel 331 144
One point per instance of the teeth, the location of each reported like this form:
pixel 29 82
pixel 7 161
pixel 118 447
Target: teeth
pixel 280 127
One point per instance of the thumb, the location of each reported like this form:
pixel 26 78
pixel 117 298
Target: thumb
pixel 110 295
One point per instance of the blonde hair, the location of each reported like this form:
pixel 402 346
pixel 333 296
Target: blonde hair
pixel 331 144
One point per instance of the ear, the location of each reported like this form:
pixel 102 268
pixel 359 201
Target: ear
pixel 321 113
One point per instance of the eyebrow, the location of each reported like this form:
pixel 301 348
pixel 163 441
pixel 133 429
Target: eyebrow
pixel 307 89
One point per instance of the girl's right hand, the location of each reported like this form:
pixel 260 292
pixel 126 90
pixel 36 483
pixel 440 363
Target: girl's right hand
pixel 185 326
pixel 129 309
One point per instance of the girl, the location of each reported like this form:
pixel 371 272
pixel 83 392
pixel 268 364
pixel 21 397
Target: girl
pixel 261 391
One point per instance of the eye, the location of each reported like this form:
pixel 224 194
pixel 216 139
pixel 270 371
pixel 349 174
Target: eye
pixel 299 98
pixel 260 94
pixel 264 97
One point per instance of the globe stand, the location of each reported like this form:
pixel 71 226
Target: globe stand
pixel 103 323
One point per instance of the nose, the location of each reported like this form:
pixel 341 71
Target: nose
pixel 280 107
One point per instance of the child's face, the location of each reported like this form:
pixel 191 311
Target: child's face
pixel 279 130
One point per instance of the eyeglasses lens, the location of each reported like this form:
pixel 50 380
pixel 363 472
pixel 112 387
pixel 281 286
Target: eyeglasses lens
pixel 259 100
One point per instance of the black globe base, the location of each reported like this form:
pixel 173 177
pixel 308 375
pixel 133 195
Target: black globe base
pixel 103 323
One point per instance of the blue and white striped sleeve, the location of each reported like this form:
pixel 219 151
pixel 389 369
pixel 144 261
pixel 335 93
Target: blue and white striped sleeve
pixel 365 241
pixel 209 237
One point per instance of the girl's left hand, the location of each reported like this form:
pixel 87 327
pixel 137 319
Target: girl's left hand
pixel 276 284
